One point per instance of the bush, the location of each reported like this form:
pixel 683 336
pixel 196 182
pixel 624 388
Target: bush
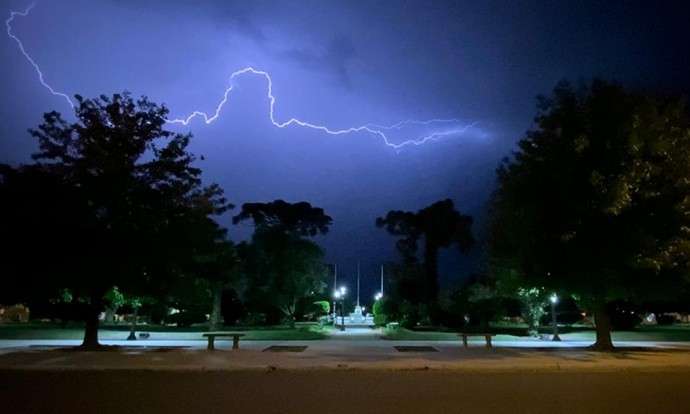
pixel 412 314
pixel 253 319
pixel 665 319
pixel 380 318
pixel 13 314
pixel 186 318
pixel 322 307
pixel 563 318
pixel 623 320
pixel 325 320
pixel 450 319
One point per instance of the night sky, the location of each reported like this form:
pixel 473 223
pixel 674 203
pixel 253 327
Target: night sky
pixel 340 64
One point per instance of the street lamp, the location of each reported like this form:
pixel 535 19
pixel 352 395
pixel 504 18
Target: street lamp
pixel 554 300
pixel 340 294
pixel 378 296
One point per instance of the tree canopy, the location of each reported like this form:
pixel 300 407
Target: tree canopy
pixel 439 225
pixel 282 266
pixel 301 217
pixel 595 200
pixel 126 192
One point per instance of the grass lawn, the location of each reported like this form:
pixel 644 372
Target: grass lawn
pixel 274 333
pixel 672 333
pixel 312 331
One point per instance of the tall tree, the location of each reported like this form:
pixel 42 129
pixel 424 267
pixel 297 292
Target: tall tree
pixel 216 261
pixel 296 218
pixel 595 200
pixel 132 187
pixel 283 266
pixel 440 226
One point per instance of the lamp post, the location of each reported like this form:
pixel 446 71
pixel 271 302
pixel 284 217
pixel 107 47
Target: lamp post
pixel 340 294
pixel 554 300
pixel 335 283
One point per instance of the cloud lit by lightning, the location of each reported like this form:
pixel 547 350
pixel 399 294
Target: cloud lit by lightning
pixel 374 129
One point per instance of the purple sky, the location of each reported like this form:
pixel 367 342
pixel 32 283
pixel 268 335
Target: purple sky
pixel 339 64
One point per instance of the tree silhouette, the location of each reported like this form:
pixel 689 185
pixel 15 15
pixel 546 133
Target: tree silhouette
pixel 282 266
pixel 133 191
pixel 595 201
pixel 299 218
pixel 440 226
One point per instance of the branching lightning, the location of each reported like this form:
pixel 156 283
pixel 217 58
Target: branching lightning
pixel 373 129
pixel 26 55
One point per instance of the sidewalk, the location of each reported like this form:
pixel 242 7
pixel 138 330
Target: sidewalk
pixel 344 352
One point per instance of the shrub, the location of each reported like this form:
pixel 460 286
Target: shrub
pixel 665 319
pixel 563 318
pixel 623 320
pixel 532 302
pixel 253 319
pixel 325 320
pixel 16 313
pixel 186 318
pixel 380 318
pixel 322 307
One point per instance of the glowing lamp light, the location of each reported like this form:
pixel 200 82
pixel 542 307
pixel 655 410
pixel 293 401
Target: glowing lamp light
pixel 554 300
pixel 340 294
pixel 378 296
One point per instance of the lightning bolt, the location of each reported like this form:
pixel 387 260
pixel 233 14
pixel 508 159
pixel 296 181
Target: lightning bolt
pixel 373 129
pixel 26 55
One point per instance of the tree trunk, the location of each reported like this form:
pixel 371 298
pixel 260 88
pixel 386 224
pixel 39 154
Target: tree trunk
pixel 91 329
pixel 431 272
pixel 133 325
pixel 603 330
pixel 484 323
pixel 289 311
pixel 216 319
pixel 110 314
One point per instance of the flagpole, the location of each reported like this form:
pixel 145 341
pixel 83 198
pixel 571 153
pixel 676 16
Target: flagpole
pixel 358 283
pixel 381 280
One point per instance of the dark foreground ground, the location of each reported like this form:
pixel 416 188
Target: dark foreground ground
pixel 329 391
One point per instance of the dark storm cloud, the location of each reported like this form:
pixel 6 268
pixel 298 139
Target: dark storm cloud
pixel 340 64
pixel 334 58
pixel 236 14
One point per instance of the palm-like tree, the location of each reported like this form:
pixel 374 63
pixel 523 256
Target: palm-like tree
pixel 440 225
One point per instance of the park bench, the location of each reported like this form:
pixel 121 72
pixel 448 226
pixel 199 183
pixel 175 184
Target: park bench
pixel 213 335
pixel 487 337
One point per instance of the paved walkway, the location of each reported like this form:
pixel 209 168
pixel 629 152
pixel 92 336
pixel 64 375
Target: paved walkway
pixel 356 348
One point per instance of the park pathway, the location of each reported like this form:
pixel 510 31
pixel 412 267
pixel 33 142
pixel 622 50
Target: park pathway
pixel 355 333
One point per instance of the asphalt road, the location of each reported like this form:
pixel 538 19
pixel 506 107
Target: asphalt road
pixel 329 391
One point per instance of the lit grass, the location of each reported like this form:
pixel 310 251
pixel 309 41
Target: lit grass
pixel 671 333
pixel 403 334
pixel 303 332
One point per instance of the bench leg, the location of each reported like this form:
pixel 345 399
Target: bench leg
pixel 488 342
pixel 211 346
pixel 235 342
